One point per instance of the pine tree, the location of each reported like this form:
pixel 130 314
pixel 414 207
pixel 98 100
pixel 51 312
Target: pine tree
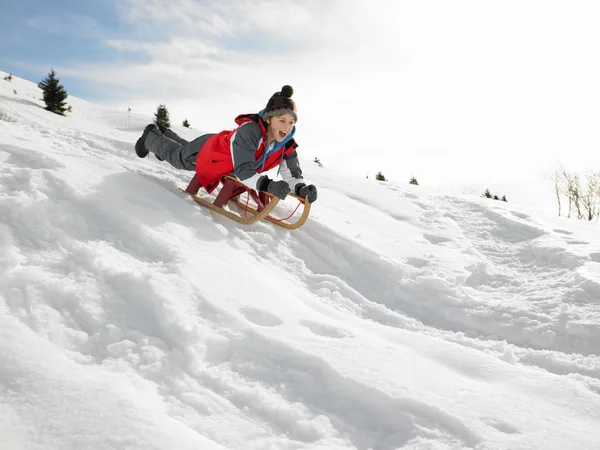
pixel 55 95
pixel 186 123
pixel 504 198
pixel 487 194
pixel 414 181
pixel 495 197
pixel 161 116
pixel 380 177
pixel 8 77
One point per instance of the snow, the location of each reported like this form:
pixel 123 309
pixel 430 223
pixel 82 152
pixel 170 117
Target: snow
pixel 396 317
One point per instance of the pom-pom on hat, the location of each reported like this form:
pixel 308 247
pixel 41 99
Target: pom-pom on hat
pixel 281 103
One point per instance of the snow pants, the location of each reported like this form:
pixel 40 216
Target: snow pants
pixel 172 148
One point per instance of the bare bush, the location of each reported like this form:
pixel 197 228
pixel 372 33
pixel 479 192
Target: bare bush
pixel 590 196
pixel 581 193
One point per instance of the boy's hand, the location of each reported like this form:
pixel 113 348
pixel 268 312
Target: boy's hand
pixel 279 189
pixel 310 191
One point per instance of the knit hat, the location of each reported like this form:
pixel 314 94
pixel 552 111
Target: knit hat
pixel 281 103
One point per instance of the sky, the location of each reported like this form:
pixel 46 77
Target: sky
pixel 453 93
pixel 395 317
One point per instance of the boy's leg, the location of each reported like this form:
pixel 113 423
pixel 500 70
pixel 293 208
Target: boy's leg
pixel 140 147
pixel 172 135
pixel 175 153
pixel 180 154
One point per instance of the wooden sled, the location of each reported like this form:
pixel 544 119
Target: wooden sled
pixel 232 188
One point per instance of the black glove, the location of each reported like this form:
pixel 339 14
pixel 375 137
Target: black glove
pixel 278 188
pixel 302 190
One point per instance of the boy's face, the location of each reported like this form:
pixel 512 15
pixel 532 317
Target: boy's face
pixel 280 126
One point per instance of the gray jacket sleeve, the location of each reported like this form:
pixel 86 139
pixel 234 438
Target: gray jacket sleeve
pixel 291 171
pixel 244 144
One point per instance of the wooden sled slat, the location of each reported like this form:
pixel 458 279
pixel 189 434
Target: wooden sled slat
pixel 233 216
pixel 280 222
pixel 230 191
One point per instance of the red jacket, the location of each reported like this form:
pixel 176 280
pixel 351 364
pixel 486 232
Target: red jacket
pixel 214 158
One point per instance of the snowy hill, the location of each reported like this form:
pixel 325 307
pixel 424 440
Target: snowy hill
pixel 396 317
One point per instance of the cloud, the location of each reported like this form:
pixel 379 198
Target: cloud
pixel 233 53
pixel 293 22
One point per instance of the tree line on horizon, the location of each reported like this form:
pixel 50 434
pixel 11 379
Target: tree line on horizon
pixel 379 176
pixel 488 194
pixel 162 119
pixel 55 97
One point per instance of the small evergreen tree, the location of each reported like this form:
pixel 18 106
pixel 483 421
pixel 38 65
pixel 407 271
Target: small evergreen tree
pixel 380 177
pixel 487 194
pixel 161 116
pixel 186 123
pixel 414 181
pixel 495 197
pixel 318 162
pixel 8 77
pixel 504 198
pixel 55 95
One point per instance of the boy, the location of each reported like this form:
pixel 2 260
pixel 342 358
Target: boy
pixel 260 142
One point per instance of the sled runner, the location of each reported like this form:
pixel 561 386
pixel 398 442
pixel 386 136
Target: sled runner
pixel 262 207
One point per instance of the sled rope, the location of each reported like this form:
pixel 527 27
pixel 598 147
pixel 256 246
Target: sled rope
pixel 246 209
pixel 286 218
pixel 272 218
